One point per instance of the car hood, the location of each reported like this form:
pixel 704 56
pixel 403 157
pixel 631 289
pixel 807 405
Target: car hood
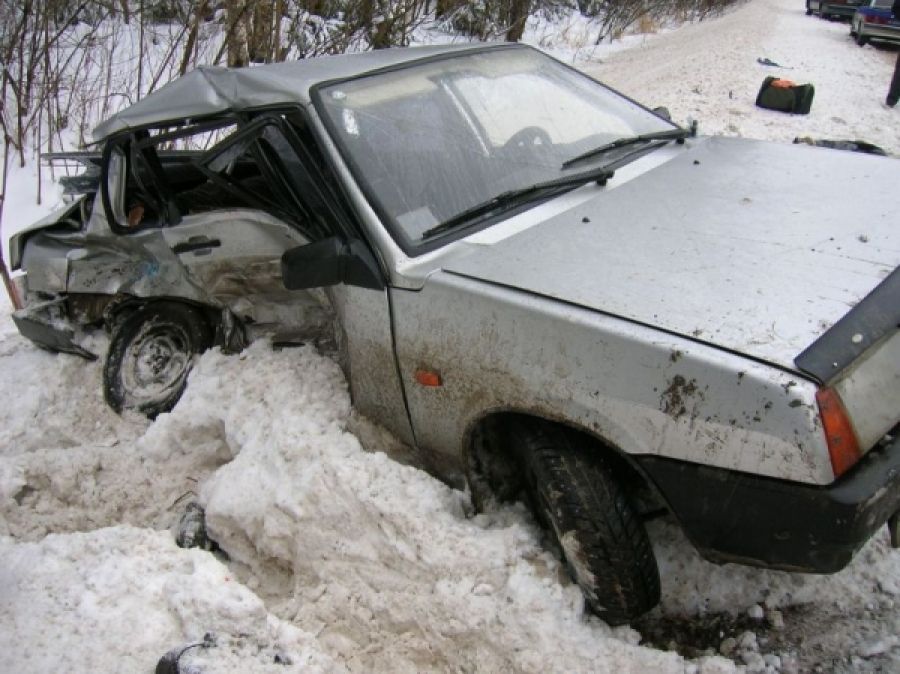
pixel 751 246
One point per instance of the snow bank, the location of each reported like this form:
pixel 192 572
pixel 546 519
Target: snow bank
pixel 376 559
pixel 56 416
pixel 380 559
pixel 115 600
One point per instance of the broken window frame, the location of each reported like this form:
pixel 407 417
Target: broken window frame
pixel 142 146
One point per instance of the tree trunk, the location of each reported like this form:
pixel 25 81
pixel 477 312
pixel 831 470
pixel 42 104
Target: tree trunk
pixel 278 53
pixel 237 19
pixel 260 45
pixel 445 7
pixel 518 15
pixel 201 9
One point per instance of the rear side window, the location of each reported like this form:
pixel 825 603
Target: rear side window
pixel 155 180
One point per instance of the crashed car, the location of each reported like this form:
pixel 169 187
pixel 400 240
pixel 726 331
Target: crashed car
pixel 554 293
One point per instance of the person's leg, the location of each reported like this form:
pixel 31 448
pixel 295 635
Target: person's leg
pixel 894 92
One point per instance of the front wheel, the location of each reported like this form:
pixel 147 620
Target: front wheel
pixel 150 355
pixel 585 510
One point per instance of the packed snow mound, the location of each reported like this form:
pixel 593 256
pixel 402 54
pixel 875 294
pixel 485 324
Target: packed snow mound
pixel 117 599
pixel 35 415
pixel 382 563
pixel 371 554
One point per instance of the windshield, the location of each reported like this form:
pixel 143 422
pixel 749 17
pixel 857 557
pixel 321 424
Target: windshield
pixel 440 138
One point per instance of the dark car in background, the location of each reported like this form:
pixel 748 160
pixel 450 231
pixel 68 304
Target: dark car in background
pixel 827 9
pixel 875 21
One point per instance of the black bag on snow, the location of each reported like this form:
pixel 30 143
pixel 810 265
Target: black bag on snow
pixel 796 99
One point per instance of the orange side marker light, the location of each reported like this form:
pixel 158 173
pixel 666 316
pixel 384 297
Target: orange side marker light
pixel 429 378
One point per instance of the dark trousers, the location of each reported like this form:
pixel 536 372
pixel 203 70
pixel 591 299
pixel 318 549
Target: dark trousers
pixel 894 92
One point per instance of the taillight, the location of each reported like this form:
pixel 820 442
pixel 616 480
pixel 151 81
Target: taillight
pixel 843 447
pixel 877 19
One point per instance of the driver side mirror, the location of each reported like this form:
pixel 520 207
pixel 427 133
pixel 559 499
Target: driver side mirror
pixel 329 262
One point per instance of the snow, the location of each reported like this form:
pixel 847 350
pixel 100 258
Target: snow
pixel 109 599
pixel 342 555
pixel 708 71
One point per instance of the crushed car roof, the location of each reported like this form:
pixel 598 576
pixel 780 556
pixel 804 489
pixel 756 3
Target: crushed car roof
pixel 209 90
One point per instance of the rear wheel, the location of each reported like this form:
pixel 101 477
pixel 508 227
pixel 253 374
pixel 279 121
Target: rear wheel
pixel 585 510
pixel 861 39
pixel 150 355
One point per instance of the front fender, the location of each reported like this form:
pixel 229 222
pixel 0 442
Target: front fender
pixel 641 390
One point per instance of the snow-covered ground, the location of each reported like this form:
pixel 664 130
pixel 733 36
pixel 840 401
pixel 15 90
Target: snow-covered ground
pixel 341 554
pixel 709 72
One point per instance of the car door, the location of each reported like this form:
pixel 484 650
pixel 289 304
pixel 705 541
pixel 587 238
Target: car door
pixel 235 227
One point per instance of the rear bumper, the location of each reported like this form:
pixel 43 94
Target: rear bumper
pixel 737 517
pixel 46 325
pixel 877 32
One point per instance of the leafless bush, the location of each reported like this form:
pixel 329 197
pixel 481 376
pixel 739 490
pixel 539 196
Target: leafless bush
pixel 614 17
pixel 489 19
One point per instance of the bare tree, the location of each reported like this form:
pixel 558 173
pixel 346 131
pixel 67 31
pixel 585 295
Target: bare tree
pixel 201 8
pixel 260 47
pixel 517 11
pixel 238 32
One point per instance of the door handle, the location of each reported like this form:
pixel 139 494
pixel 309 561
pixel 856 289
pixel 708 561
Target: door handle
pixel 201 245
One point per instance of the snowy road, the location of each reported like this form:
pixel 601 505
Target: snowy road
pixel 709 72
pixel 343 559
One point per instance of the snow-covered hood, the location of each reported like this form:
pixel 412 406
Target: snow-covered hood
pixel 752 246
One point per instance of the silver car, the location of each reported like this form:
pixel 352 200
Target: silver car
pixel 554 293
pixel 875 21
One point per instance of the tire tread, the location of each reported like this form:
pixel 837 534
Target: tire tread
pixel 588 500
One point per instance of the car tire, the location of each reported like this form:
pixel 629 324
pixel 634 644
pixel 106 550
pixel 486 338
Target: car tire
pixel 150 356
pixel 861 39
pixel 808 8
pixel 586 512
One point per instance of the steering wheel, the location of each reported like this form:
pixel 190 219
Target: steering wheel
pixel 528 139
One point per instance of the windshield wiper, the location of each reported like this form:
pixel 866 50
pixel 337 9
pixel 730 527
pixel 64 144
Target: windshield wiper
pixel 668 134
pixel 516 197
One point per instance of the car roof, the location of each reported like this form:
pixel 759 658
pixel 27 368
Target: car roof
pixel 210 90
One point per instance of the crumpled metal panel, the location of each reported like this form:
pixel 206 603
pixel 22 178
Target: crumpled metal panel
pixel 243 276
